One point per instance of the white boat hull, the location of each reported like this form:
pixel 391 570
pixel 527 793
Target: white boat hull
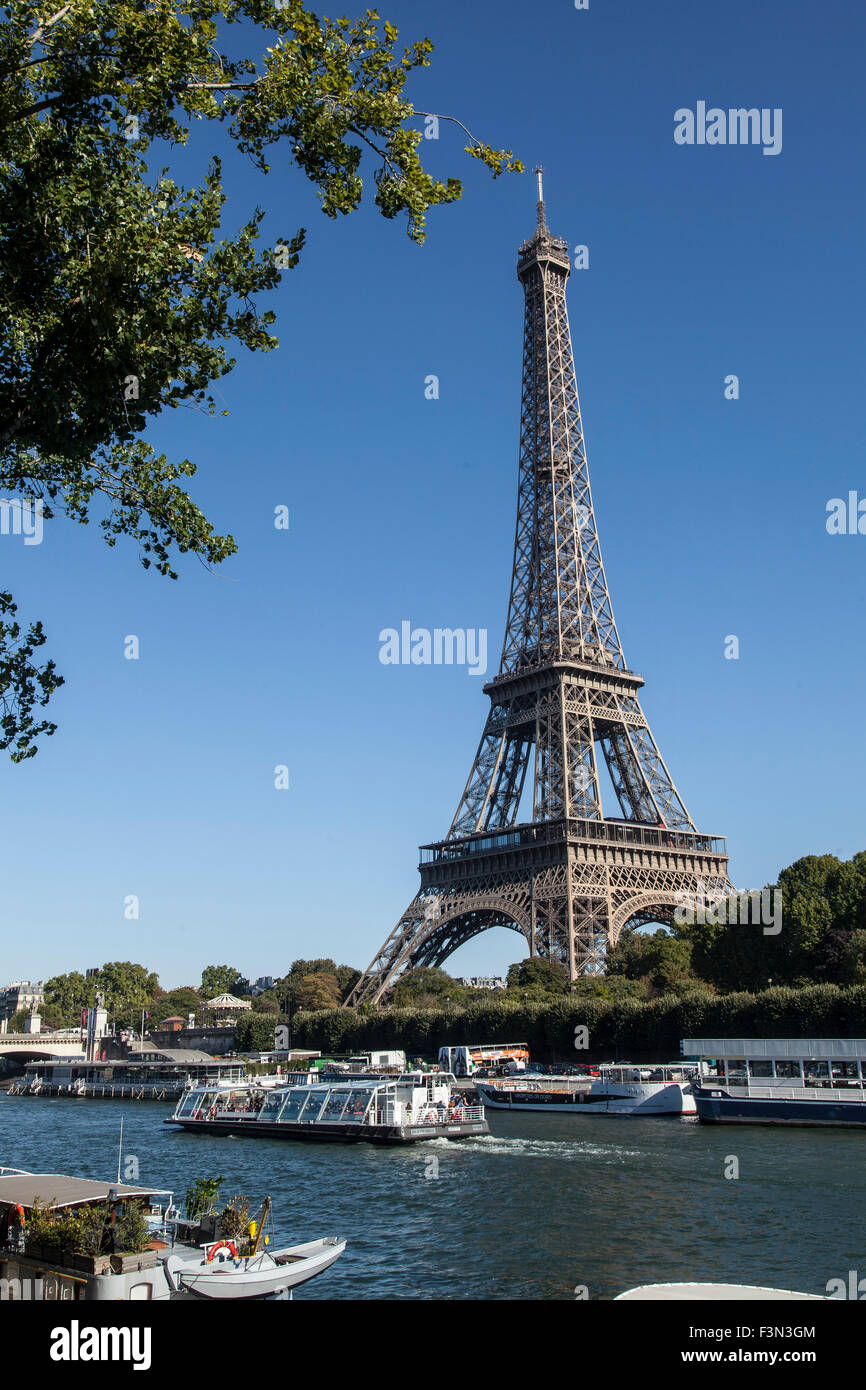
pixel 709 1293
pixel 258 1276
pixel 632 1098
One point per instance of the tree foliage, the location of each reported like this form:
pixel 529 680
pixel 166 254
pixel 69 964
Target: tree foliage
pixel 67 995
pixel 426 985
pixel 175 1003
pixel 128 988
pixel 661 960
pixel 626 1029
pixel 823 908
pixel 315 984
pixel 319 991
pixel 120 294
pixel 219 979
pixel 537 976
pixel 254 1032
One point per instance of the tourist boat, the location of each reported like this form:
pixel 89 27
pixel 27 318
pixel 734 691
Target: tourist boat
pixel 621 1089
pixel 781 1081
pixel 378 1110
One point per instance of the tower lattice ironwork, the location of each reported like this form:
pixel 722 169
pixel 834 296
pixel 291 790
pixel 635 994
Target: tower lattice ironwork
pixel 565 875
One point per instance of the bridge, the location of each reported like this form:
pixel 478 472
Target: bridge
pixel 26 1047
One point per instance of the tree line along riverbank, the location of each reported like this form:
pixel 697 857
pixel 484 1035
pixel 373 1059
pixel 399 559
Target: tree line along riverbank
pixel 638 1030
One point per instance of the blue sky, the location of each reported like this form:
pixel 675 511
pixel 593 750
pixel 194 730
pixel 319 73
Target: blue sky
pixel 704 261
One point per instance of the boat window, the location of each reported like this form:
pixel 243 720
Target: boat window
pixel 816 1070
pixel 357 1107
pixel 189 1103
pixel 759 1067
pixel 295 1101
pixel 272 1106
pixel 845 1071
pixel 787 1070
pixel 736 1067
pixel 336 1104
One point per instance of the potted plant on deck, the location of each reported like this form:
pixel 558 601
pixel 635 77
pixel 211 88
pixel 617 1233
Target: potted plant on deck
pixel 131 1239
pixel 90 1252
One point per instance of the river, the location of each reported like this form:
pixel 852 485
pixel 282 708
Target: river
pixel 543 1208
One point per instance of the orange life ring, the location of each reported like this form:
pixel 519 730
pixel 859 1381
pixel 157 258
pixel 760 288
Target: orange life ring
pixel 227 1244
pixel 20 1211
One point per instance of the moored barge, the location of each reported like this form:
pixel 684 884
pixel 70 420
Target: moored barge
pixel 376 1110
pixel 780 1081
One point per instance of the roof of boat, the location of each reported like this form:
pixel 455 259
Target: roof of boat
pixel 58 1190
pixel 340 1083
pixel 333 1082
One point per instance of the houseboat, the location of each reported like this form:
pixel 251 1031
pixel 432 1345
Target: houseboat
pixel 40 1260
pixel 622 1089
pixel 781 1081
pixel 146 1075
pixel 391 1110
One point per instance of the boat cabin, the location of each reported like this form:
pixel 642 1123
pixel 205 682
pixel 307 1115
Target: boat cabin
pixel 620 1074
pixel 415 1098
pixel 764 1066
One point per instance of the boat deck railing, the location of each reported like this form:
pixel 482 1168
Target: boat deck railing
pixel 386 1114
pixel 543 1083
pixel 430 1115
pixel 825 1093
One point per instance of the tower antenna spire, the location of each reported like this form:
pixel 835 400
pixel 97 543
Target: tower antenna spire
pixel 539 206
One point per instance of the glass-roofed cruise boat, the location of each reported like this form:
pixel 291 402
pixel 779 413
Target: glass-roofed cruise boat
pixel 378 1110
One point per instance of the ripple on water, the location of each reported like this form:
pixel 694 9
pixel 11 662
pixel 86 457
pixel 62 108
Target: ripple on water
pixel 496 1145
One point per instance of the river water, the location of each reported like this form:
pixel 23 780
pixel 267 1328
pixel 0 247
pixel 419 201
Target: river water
pixel 542 1208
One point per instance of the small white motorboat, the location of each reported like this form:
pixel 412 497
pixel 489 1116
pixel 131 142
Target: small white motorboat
pixel 222 1273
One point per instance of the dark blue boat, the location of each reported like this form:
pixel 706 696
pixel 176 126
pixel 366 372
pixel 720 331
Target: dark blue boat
pixel 716 1106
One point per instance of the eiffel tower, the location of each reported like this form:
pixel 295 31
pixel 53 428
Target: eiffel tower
pixel 530 846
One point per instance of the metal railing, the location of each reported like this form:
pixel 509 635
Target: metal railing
pixel 825 1093
pixel 604 831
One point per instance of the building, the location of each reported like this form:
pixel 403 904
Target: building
pixel 481 981
pixel 21 994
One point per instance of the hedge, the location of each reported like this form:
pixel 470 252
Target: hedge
pixel 627 1029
